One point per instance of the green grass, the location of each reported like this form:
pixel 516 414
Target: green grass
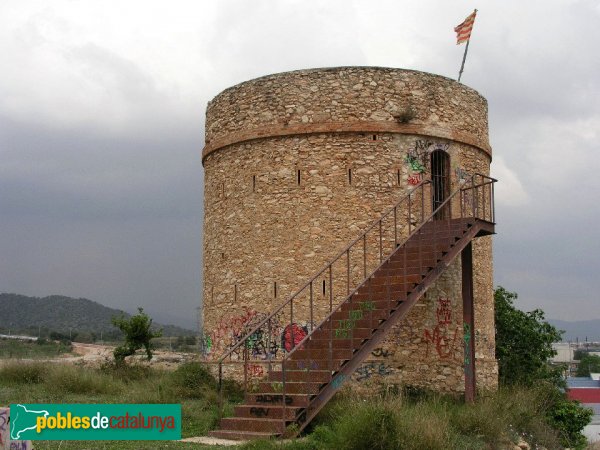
pixel 122 445
pixel 429 422
pixel 406 419
pixel 191 385
pixel 14 348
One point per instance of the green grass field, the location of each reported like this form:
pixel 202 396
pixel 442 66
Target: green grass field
pixel 402 420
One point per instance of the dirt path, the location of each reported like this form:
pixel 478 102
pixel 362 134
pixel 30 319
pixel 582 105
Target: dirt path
pixel 96 354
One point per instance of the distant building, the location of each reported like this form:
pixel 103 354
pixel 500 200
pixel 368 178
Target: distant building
pixel 564 352
pixel 587 391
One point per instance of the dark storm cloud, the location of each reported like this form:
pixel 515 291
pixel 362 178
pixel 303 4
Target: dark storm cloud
pixel 116 220
pixel 82 177
pixel 102 116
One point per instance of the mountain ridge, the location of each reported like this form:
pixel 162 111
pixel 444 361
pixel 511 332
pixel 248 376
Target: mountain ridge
pixel 65 315
pixel 580 329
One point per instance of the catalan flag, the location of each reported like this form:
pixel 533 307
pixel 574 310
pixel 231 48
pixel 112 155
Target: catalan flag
pixel 463 31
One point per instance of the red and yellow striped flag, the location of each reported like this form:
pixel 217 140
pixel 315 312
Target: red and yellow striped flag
pixel 463 31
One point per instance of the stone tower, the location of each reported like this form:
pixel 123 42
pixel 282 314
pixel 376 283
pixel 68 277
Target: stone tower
pixel 299 164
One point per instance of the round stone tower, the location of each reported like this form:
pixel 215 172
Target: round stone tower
pixel 299 164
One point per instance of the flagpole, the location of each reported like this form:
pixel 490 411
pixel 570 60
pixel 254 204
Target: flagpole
pixel 462 66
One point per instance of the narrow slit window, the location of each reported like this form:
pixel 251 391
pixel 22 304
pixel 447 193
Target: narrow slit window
pixel 374 137
pixel 298 177
pixel 223 189
pixel 398 176
pixel 275 289
pixel 253 183
pixel 349 176
pixel 323 287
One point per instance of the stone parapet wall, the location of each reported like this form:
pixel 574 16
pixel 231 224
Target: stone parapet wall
pixel 347 99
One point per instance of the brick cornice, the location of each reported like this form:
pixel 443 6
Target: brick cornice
pixel 362 126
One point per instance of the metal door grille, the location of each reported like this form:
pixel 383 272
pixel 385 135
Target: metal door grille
pixel 440 179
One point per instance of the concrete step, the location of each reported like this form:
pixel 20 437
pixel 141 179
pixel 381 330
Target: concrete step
pixel 242 435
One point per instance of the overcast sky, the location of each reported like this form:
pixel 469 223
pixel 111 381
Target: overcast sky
pixel 102 109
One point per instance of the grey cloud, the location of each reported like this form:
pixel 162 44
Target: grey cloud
pixel 100 172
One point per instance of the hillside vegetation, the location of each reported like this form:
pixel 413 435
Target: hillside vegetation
pixel 65 315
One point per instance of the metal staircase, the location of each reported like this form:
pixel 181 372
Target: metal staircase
pixel 350 306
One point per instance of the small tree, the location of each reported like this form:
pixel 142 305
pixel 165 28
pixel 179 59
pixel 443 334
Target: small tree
pixel 578 354
pixel 523 343
pixel 523 348
pixel 588 364
pixel 138 334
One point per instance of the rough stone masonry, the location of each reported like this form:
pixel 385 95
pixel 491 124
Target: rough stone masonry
pixel 298 164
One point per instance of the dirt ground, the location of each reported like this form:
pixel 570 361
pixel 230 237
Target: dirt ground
pixel 95 354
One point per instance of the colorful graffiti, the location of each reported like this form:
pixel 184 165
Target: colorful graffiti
pixel 346 325
pixel 415 163
pixel 444 335
pixel 417 159
pixel 337 382
pixel 415 179
pixel 381 353
pixel 255 371
pixel 259 411
pixel 266 342
pixel 231 329
pixel 268 398
pixel 4 413
pixel 461 175
pixel 307 365
pixel 467 339
pixel 5 442
pixel 292 335
pixel 365 371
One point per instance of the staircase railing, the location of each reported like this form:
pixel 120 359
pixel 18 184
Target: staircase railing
pixel 475 200
pixel 325 292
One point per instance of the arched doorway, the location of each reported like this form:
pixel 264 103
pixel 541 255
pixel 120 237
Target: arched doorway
pixel 440 183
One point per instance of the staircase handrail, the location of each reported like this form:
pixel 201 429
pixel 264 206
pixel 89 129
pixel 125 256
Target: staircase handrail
pixel 489 181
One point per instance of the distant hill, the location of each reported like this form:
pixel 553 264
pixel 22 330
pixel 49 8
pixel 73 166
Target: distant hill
pixel 64 315
pixel 578 330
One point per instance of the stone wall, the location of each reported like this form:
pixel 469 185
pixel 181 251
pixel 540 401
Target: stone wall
pixel 299 164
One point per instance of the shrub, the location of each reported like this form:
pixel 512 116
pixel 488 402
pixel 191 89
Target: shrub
pixel 524 343
pixel 126 373
pixel 77 380
pixel 370 425
pixel 569 418
pixel 138 334
pixel 194 380
pixel 23 373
